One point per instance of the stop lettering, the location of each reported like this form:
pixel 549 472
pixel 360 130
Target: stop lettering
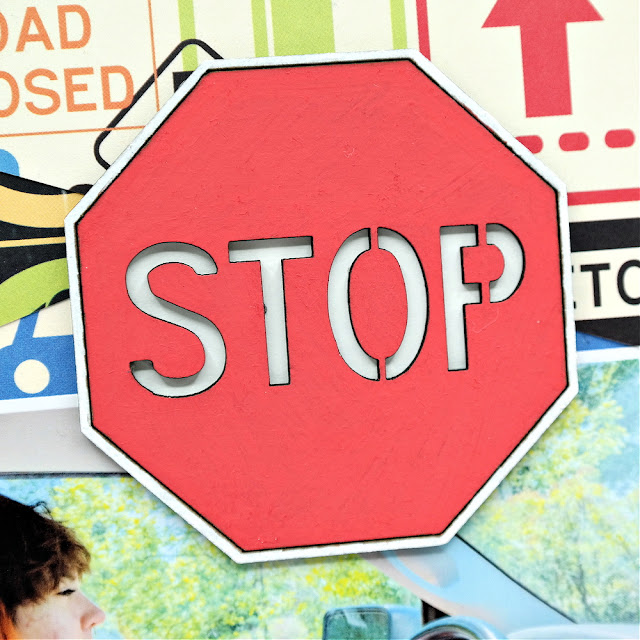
pixel 322 305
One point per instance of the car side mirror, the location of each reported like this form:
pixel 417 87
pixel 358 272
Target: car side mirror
pixel 375 622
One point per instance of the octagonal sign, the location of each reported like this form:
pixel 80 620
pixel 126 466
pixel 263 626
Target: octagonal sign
pixel 321 305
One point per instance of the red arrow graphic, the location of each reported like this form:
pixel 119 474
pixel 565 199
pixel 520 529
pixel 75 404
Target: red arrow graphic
pixel 545 58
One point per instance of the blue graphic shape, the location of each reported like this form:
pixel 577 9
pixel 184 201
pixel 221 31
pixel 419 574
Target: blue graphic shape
pixel 8 163
pixel 54 352
pixel 586 342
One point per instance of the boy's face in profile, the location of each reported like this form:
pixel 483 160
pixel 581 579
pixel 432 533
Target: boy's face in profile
pixel 65 613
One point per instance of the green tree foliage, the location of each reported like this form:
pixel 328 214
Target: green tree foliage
pixel 156 577
pixel 563 523
pixel 344 581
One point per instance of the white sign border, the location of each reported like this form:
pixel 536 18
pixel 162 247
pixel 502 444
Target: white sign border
pixel 157 488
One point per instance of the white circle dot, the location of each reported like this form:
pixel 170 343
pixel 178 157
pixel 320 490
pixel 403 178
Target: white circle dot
pixel 31 376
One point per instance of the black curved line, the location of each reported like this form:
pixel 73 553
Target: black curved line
pixel 144 88
pixel 24 185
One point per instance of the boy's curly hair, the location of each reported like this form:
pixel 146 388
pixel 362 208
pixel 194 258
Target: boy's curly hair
pixel 36 554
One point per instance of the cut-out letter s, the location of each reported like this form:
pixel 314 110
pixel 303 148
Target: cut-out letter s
pixel 137 280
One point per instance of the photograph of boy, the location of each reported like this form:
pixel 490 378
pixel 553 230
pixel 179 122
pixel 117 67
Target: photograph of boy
pixel 41 566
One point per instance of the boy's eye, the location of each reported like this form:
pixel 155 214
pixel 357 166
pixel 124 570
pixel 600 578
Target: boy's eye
pixel 66 592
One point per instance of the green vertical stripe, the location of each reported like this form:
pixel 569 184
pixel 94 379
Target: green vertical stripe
pixel 187 32
pixel 398 24
pixel 302 26
pixel 260 40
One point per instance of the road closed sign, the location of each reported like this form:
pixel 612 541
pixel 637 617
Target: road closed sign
pixel 321 305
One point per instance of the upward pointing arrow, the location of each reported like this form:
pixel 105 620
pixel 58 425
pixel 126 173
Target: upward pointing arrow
pixel 545 58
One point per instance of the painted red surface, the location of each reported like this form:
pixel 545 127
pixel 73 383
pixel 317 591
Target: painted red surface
pixel 545 58
pixel 321 151
pixel 483 263
pixel 574 141
pixel 617 138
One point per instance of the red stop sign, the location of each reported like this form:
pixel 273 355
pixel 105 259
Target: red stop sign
pixel 321 305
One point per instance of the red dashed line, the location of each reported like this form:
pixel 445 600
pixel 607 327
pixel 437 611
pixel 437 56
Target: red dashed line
pixel 533 143
pixel 575 141
pixel 619 138
pixel 579 141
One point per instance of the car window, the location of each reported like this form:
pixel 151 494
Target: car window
pixel 565 521
pixel 157 577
